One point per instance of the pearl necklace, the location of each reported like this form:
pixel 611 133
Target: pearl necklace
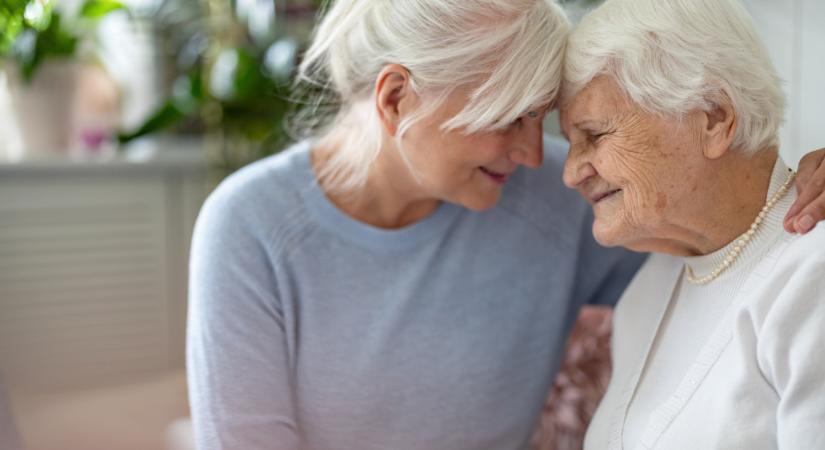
pixel 744 239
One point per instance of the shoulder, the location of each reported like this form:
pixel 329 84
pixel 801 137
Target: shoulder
pixel 786 292
pixel 793 269
pixel 789 312
pixel 255 200
pixel 794 273
pixel 805 251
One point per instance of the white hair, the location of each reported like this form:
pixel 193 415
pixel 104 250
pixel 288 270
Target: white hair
pixel 508 53
pixel 672 57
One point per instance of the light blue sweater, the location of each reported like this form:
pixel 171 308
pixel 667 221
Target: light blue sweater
pixel 308 329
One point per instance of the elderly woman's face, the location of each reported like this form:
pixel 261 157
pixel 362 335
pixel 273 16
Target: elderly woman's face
pixel 636 169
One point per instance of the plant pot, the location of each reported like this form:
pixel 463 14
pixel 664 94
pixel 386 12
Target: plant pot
pixel 42 109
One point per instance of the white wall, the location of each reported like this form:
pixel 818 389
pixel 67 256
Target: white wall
pixel 795 36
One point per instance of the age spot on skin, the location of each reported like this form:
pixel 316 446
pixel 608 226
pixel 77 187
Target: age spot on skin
pixel 661 201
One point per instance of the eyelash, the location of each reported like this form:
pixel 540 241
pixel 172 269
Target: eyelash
pixel 596 136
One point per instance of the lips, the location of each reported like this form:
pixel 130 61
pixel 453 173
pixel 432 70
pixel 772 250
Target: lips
pixel 596 198
pixel 498 177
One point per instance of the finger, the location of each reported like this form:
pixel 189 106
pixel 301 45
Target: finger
pixel 805 198
pixel 790 218
pixel 809 187
pixel 811 165
pixel 810 215
pixel 800 208
pixel 802 175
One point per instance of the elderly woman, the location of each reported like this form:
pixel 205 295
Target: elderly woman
pixel 672 110
pixel 396 281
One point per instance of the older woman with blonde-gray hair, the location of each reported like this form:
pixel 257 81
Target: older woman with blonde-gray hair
pixel 398 280
pixel 672 109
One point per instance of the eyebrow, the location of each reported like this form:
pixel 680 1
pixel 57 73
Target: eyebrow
pixel 590 123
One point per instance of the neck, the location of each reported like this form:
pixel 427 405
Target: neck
pixel 734 193
pixel 388 198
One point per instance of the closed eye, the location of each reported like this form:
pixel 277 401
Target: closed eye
pixel 595 137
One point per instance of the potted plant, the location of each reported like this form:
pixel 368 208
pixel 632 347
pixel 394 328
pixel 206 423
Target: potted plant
pixel 41 50
pixel 229 74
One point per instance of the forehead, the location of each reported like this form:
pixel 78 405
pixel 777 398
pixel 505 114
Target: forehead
pixel 601 98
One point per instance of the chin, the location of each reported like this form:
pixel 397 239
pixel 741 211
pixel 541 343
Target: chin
pixel 629 238
pixel 480 203
pixel 608 235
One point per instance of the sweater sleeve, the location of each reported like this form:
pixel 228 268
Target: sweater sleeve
pixel 791 357
pixel 238 371
pixel 602 273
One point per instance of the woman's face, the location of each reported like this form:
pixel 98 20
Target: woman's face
pixel 637 170
pixel 470 169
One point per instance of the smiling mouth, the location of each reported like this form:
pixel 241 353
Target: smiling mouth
pixel 603 196
pixel 499 178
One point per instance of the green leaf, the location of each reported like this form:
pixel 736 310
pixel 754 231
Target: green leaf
pixel 11 23
pixel 53 42
pixel 96 9
pixel 187 92
pixel 166 116
pixel 12 28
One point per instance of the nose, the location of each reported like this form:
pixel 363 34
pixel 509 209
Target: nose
pixel 577 167
pixel 528 150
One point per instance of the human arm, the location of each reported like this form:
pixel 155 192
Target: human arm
pixel 790 357
pixel 237 358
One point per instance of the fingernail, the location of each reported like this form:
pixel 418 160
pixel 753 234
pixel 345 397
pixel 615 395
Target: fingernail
pixel 805 224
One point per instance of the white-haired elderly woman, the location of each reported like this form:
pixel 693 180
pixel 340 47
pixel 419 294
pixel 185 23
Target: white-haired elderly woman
pixel 672 110
pixel 396 281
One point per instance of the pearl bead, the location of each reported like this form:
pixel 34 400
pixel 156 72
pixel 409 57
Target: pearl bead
pixel 743 241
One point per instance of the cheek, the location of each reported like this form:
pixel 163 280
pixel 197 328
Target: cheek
pixel 644 197
pixel 635 175
pixel 465 154
pixel 655 198
pixel 445 169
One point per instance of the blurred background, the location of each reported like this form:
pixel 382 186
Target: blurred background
pixel 117 118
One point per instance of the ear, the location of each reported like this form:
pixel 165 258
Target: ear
pixel 719 128
pixel 393 95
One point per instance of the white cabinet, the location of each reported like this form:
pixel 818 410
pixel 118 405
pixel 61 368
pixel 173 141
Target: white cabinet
pixel 93 261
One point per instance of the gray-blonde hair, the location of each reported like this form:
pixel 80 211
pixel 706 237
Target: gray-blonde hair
pixel 509 53
pixel 676 56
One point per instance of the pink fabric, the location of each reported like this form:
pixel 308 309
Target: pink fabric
pixel 579 386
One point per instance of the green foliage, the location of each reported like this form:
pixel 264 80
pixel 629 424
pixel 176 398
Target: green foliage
pixel 11 23
pixel 97 9
pixel 35 32
pixel 34 46
pixel 226 80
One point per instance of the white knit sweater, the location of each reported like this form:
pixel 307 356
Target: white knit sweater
pixel 736 364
